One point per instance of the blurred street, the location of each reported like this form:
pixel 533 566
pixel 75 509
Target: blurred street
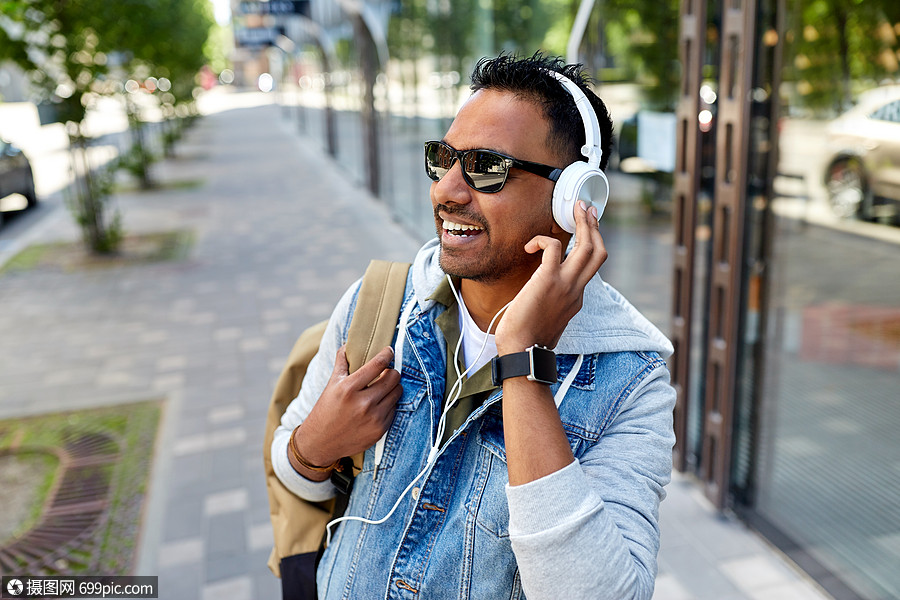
pixel 279 231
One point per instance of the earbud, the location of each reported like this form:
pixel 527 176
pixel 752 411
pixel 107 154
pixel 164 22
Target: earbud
pixel 581 180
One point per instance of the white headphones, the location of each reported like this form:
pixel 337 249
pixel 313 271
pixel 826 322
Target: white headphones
pixel 581 180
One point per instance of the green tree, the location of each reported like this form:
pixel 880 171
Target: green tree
pixel 77 50
pixel 836 48
pixel 642 44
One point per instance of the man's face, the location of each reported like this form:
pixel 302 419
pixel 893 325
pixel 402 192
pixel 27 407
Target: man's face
pixel 495 227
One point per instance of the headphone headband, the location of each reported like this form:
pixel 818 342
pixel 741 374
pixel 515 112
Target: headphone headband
pixel 591 149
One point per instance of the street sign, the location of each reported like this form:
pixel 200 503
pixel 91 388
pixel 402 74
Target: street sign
pixel 256 36
pixel 274 7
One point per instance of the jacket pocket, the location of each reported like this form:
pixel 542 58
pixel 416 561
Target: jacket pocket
pixel 487 497
pixel 403 431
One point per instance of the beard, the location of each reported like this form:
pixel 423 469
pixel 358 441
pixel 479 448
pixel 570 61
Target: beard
pixel 495 261
pixel 488 266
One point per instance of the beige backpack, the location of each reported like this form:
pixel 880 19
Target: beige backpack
pixel 299 525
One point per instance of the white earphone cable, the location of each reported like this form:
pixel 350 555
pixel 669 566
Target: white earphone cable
pixel 439 434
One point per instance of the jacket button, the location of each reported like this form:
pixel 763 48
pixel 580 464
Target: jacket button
pixel 415 493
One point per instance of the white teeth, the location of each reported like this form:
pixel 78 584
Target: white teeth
pixel 451 226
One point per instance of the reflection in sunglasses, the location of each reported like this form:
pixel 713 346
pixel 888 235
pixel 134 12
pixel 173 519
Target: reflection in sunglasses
pixel 483 170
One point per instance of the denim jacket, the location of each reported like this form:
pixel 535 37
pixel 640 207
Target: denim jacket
pixel 460 531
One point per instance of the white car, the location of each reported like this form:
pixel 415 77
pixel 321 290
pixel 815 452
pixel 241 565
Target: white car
pixel 863 174
pixel 15 176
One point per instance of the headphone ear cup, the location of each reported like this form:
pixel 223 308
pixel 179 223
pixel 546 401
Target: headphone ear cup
pixel 579 181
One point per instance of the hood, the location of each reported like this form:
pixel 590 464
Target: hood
pixel 607 322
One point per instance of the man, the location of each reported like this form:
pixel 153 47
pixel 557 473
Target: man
pixel 481 490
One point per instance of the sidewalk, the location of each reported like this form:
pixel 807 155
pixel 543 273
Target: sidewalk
pixel 280 233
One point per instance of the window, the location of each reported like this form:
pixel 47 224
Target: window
pixel 888 112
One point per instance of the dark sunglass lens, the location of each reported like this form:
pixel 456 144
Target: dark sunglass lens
pixel 438 160
pixel 487 170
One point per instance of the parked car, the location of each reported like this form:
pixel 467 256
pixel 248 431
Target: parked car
pixel 15 176
pixel 863 174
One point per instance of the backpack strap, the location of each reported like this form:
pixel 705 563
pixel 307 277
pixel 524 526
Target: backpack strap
pixel 374 321
pixel 299 525
pixel 371 329
pixel 377 311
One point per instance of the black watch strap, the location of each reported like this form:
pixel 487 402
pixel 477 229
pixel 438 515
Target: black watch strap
pixel 536 363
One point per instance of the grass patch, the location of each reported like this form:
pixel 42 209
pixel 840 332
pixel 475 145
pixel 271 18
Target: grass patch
pixel 73 256
pixel 111 547
pixel 26 479
pixel 26 259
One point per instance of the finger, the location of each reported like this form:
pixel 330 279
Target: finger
pixel 598 246
pixel 388 417
pixel 385 409
pixel 600 254
pixel 387 380
pixel 392 396
pixel 586 226
pixel 551 247
pixel 381 410
pixel 341 367
pixel 367 373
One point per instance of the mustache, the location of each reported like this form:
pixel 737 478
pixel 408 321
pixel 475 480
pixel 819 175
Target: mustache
pixel 468 215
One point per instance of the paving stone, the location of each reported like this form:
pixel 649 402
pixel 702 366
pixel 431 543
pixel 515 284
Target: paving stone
pixel 190 473
pixel 227 535
pixel 220 566
pixel 260 537
pixel 226 465
pixel 756 572
pixel 266 585
pixel 226 414
pixel 234 588
pixel 225 502
pixel 171 363
pixel 182 552
pixel 180 582
pixel 668 588
pixel 184 514
pixel 797 590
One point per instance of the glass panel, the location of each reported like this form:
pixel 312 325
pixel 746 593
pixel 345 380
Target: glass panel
pixel 830 475
pixel 632 53
pixel 828 461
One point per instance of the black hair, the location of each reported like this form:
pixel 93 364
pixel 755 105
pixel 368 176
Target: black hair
pixel 528 79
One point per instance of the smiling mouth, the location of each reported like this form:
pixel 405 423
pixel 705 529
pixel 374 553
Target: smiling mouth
pixel 460 230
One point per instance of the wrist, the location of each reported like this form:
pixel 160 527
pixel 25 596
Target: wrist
pixel 535 363
pixel 308 463
pixel 511 346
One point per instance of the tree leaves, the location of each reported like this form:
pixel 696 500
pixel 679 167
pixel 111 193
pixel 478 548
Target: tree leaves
pixel 73 49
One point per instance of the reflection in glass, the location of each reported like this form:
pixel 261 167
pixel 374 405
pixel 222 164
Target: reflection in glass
pixel 828 473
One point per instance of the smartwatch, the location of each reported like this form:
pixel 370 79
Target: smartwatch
pixel 536 363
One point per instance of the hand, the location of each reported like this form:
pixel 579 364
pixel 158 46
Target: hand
pixel 543 308
pixel 352 413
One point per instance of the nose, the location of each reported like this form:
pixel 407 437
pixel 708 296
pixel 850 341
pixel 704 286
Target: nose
pixel 452 188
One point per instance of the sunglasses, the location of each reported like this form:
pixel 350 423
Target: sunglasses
pixel 483 170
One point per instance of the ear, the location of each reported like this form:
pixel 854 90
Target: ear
pixel 559 233
pixel 564 237
pixel 555 229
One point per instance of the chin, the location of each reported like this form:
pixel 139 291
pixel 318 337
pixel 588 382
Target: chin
pixel 464 270
pixel 454 266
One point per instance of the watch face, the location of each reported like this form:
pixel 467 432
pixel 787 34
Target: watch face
pixel 543 365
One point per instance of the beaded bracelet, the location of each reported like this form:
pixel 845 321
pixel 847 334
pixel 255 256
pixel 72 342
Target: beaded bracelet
pixel 306 464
